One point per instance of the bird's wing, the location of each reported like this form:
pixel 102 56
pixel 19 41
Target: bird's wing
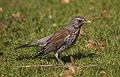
pixel 69 40
pixel 56 41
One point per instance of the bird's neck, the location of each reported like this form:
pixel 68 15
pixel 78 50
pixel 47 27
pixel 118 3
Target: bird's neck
pixel 75 31
pixel 71 27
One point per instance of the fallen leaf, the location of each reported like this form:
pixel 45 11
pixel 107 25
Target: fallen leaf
pixel 89 46
pixel 93 41
pixel 68 73
pixel 1 9
pixel 61 74
pixel 100 46
pixel 1 75
pixel 17 16
pixel 15 4
pixel 79 70
pixel 94 44
pixel 82 32
pixel 105 13
pixel 65 1
pixel 69 70
pixel 102 73
pixel 77 10
pixel 50 17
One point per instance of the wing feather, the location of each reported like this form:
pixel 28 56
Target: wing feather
pixel 56 41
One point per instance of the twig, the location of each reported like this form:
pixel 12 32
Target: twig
pixel 27 66
pixel 90 65
pixel 63 66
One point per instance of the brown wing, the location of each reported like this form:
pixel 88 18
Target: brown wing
pixel 56 41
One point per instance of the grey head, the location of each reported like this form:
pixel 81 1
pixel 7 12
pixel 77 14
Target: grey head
pixel 76 22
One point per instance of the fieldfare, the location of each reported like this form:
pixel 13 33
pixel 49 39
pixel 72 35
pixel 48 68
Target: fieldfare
pixel 59 40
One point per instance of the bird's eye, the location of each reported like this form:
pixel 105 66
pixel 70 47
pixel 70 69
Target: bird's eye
pixel 80 20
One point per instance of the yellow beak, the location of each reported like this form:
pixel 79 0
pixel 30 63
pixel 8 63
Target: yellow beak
pixel 87 21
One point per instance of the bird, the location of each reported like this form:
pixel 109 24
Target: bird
pixel 59 40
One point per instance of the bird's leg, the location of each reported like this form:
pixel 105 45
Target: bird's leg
pixel 59 60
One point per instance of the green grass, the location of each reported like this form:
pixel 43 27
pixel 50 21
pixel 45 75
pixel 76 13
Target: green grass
pixel 105 28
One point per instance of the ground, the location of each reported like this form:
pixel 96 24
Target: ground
pixel 95 54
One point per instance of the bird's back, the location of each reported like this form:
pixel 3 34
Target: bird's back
pixel 56 41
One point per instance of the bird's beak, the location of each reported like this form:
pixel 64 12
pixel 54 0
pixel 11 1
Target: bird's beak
pixel 87 21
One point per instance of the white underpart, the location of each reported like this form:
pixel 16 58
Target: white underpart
pixel 67 37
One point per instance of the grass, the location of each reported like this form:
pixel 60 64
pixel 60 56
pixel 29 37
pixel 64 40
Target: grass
pixel 39 18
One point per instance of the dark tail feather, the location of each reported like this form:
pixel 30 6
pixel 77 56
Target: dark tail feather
pixel 42 53
pixel 38 54
pixel 23 46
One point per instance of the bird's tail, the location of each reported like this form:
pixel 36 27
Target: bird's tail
pixel 24 46
pixel 42 53
pixel 41 42
pixel 35 43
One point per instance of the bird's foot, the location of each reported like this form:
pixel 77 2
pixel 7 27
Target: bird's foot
pixel 59 60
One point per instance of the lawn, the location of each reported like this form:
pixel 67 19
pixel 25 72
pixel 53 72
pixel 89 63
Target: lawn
pixel 95 54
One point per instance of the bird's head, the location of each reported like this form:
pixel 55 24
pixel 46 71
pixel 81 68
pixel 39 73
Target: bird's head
pixel 77 22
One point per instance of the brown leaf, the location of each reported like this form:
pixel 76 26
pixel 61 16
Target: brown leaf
pixel 15 4
pixel 1 9
pixel 50 17
pixel 105 13
pixel 94 44
pixel 17 16
pixel 102 73
pixel 79 70
pixel 68 73
pixel 100 46
pixel 65 1
pixel 77 10
pixel 82 32
pixel 92 41
pixel 1 75
pixel 69 70
pixel 89 46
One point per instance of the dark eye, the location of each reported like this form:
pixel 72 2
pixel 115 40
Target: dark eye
pixel 80 21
